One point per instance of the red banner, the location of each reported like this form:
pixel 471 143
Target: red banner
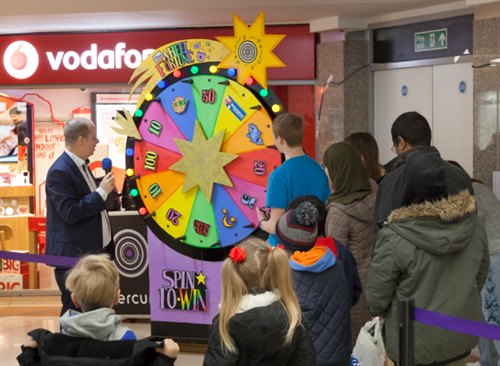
pixel 111 57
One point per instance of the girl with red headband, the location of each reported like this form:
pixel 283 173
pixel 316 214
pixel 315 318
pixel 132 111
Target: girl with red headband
pixel 259 322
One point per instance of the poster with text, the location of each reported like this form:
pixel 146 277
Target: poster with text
pixel 184 292
pixel 49 144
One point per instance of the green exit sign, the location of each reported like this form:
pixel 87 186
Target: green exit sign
pixel 431 40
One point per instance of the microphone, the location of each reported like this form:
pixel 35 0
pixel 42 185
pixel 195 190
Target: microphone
pixel 107 165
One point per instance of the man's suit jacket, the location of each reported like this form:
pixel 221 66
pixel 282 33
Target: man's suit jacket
pixel 74 225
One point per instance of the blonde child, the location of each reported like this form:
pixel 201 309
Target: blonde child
pixel 94 286
pixel 259 322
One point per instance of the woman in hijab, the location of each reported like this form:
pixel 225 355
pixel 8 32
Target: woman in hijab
pixel 350 213
pixel 368 148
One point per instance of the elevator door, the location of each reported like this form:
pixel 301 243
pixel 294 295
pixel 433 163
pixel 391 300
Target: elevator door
pixel 442 94
pixel 397 91
pixel 452 113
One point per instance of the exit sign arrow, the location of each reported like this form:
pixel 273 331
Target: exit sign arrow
pixel 431 40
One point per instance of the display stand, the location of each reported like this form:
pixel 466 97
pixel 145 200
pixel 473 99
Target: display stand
pixel 14 227
pixel 131 260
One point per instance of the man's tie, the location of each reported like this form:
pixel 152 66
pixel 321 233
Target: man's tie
pixel 89 178
pixel 106 225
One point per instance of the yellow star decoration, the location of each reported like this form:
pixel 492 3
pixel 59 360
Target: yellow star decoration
pixel 203 162
pixel 201 278
pixel 125 120
pixel 251 50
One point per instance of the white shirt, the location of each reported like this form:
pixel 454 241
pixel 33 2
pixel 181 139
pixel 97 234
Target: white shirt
pixel 106 226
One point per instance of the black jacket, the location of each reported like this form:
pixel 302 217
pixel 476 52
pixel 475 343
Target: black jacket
pixel 390 190
pixel 259 336
pixel 55 349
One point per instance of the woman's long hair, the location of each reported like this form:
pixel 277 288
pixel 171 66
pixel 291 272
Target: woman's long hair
pixel 264 268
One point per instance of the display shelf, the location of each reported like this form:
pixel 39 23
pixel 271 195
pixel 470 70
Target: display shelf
pixel 14 228
pixel 17 191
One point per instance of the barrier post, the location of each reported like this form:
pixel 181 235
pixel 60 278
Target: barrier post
pixel 405 331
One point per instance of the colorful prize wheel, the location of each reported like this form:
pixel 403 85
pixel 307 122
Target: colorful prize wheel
pixel 201 165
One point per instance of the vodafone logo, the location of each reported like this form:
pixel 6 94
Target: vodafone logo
pixel 94 59
pixel 20 59
pixel 72 58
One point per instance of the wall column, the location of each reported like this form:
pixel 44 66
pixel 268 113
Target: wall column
pixel 486 98
pixel 345 106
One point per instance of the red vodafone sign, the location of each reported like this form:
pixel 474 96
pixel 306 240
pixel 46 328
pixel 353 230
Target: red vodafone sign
pixel 111 57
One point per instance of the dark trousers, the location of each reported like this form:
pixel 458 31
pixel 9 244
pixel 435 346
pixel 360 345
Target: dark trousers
pixel 60 274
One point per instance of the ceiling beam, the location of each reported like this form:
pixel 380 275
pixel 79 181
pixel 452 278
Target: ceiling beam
pixel 338 23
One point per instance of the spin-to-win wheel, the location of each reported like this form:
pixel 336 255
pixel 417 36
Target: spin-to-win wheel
pixel 201 164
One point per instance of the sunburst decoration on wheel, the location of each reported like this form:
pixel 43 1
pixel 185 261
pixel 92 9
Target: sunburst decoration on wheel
pixel 251 50
pixel 205 149
pixel 199 154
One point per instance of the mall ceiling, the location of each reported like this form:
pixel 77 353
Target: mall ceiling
pixel 27 16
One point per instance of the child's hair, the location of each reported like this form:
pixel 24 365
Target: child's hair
pixel 94 281
pixel 290 127
pixel 264 268
pixel 14 110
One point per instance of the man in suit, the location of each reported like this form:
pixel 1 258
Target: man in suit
pixel 77 221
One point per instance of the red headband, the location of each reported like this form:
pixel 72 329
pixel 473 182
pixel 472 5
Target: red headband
pixel 279 246
pixel 237 254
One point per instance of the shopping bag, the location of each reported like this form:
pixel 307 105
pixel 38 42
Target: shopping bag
pixel 369 348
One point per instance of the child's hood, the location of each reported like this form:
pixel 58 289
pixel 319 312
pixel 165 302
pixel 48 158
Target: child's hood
pixel 317 260
pixel 101 324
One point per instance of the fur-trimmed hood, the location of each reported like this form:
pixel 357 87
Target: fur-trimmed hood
pixel 439 227
pixel 448 209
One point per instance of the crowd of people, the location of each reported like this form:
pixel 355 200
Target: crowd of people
pixel 347 241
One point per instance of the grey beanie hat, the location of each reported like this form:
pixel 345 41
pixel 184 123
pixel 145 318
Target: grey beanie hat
pixel 297 229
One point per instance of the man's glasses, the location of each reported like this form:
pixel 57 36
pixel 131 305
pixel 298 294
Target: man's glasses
pixel 394 146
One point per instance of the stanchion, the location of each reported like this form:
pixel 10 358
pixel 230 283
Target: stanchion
pixel 406 336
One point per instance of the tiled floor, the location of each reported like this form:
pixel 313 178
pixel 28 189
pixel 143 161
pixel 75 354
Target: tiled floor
pixel 13 331
pixel 15 322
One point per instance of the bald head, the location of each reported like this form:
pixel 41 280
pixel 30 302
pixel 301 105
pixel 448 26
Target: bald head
pixel 75 128
pixel 80 137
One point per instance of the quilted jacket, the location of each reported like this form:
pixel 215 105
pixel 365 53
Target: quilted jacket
pixel 325 300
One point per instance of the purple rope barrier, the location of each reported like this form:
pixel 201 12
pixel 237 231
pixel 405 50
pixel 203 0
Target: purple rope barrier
pixel 51 260
pixel 458 325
